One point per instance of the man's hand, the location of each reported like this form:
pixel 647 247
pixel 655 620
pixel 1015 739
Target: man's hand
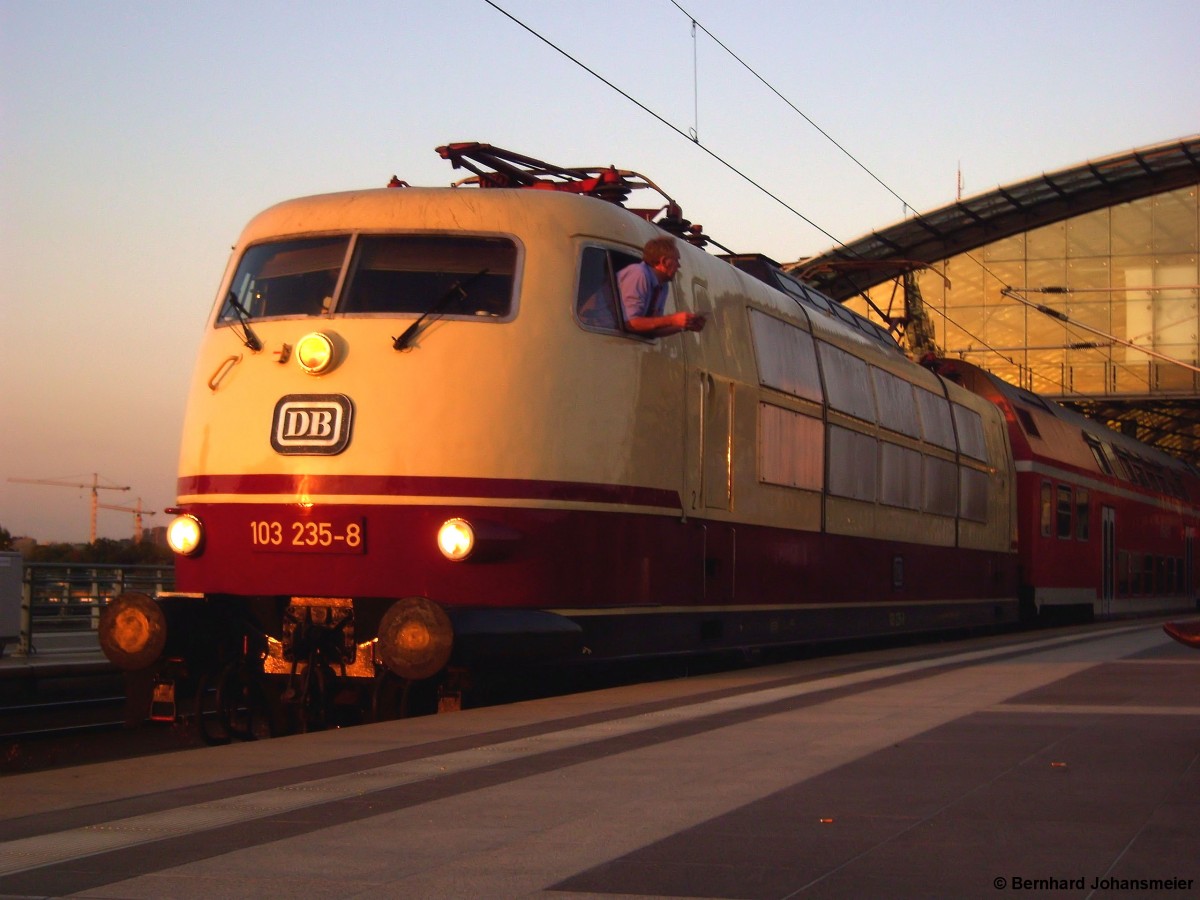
pixel 686 321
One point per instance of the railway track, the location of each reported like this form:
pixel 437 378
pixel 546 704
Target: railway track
pixel 59 733
pixel 36 720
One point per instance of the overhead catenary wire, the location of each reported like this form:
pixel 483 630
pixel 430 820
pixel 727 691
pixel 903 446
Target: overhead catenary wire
pixel 791 105
pixel 664 121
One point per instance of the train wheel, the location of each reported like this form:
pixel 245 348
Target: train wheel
pixel 241 704
pixel 306 702
pixel 231 704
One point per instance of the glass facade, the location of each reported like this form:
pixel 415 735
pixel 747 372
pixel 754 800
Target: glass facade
pixel 1110 302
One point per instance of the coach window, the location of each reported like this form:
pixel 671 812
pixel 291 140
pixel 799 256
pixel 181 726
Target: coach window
pixel 936 423
pixel 1082 512
pixel 1047 509
pixel 844 314
pixel 1064 511
pixel 853 464
pixel 970 432
pixel 897 407
pixel 791 448
pixel 596 304
pixel 972 496
pixel 939 491
pixel 1154 477
pixel 1026 420
pixel 786 358
pixel 881 335
pixel 900 476
pixel 1133 465
pixel 820 303
pixel 802 293
pixel 847 384
pixel 1121 469
pixel 1097 449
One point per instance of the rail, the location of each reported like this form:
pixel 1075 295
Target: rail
pixel 59 598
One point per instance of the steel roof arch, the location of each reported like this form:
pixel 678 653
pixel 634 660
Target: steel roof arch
pixel 970 223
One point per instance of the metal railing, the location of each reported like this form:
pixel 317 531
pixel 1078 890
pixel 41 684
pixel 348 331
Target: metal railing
pixel 59 598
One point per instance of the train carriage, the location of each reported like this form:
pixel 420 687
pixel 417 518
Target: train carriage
pixel 1107 524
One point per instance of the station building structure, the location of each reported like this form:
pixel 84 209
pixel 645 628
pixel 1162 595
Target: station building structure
pixel 1079 284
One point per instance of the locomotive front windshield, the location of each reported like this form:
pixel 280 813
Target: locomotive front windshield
pixel 386 274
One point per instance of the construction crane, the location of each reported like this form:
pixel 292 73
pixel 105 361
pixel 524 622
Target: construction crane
pixel 95 487
pixel 137 511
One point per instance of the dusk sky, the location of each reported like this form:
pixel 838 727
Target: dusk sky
pixel 137 138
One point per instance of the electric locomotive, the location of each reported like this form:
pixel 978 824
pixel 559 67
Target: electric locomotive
pixel 412 451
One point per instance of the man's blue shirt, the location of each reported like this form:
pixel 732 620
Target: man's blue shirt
pixel 642 294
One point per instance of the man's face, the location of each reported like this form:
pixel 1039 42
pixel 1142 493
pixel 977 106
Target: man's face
pixel 667 267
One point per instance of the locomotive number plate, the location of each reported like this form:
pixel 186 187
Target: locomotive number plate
pixel 331 534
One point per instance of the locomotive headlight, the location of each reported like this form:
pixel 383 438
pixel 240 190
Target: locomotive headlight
pixel 456 539
pixel 314 352
pixel 185 535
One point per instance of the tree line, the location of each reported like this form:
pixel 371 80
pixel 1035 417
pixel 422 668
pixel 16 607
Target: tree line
pixel 103 552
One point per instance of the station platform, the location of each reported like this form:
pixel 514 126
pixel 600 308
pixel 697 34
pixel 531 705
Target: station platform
pixel 1052 763
pixel 49 649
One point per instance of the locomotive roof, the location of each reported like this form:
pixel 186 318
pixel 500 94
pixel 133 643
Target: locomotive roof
pixel 442 207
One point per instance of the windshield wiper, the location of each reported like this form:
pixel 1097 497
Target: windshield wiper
pixel 458 289
pixel 249 338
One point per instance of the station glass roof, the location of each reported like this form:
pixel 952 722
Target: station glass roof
pixel 972 222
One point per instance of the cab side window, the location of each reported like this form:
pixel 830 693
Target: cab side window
pixel 596 304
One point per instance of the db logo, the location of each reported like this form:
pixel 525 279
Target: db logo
pixel 312 424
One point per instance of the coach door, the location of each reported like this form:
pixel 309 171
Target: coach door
pixel 1108 561
pixel 716 428
pixel 711 427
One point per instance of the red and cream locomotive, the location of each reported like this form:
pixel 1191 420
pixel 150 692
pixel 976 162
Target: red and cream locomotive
pixel 410 450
